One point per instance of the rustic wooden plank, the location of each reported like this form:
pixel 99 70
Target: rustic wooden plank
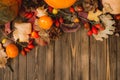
pixel 84 56
pixel 118 58
pixel 93 59
pixel 22 68
pixel 49 66
pixel 66 59
pixel 78 61
pixel 73 48
pixel 15 66
pixel 75 53
pixel 101 59
pixel 1 74
pixel 113 58
pixel 107 60
pixel 58 59
pixel 31 65
pixel 41 62
pixel 6 75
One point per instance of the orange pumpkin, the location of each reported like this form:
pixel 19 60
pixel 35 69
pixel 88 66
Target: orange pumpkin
pixel 60 3
pixel 8 10
pixel 114 4
pixel 11 50
pixel 45 22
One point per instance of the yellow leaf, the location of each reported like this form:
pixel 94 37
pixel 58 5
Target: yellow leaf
pixel 94 15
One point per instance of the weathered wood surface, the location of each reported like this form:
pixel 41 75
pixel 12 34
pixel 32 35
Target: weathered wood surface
pixel 74 56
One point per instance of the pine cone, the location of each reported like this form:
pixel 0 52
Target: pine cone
pixel 55 33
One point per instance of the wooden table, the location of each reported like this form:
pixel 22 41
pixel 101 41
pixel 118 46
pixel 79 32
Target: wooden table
pixel 73 57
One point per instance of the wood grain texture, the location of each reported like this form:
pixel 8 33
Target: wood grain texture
pixel 93 59
pixel 15 65
pixel 113 58
pixel 22 68
pixel 1 74
pixel 84 56
pixel 49 65
pixel 118 59
pixel 75 56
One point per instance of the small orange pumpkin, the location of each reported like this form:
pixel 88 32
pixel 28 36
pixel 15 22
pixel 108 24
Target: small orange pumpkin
pixel 45 22
pixel 11 50
pixel 60 3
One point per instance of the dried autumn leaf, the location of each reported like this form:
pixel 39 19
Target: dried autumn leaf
pixel 107 8
pixel 70 27
pixel 22 31
pixel 3 57
pixel 41 11
pixel 44 35
pixel 41 42
pixel 89 5
pixel 94 15
pixel 108 22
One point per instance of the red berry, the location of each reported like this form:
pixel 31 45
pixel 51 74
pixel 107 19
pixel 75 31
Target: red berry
pixel 90 33
pixel 27 49
pixel 50 9
pixel 30 46
pixel 78 8
pixel 94 30
pixel 28 15
pixel 23 52
pixel 30 42
pixel 61 20
pixel 87 26
pixel 34 34
pixel 117 17
pixel 57 24
pixel 98 26
pixel 72 10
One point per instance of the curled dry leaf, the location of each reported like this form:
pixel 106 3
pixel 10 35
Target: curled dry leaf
pixel 3 57
pixel 108 22
pixel 70 27
pixel 22 31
